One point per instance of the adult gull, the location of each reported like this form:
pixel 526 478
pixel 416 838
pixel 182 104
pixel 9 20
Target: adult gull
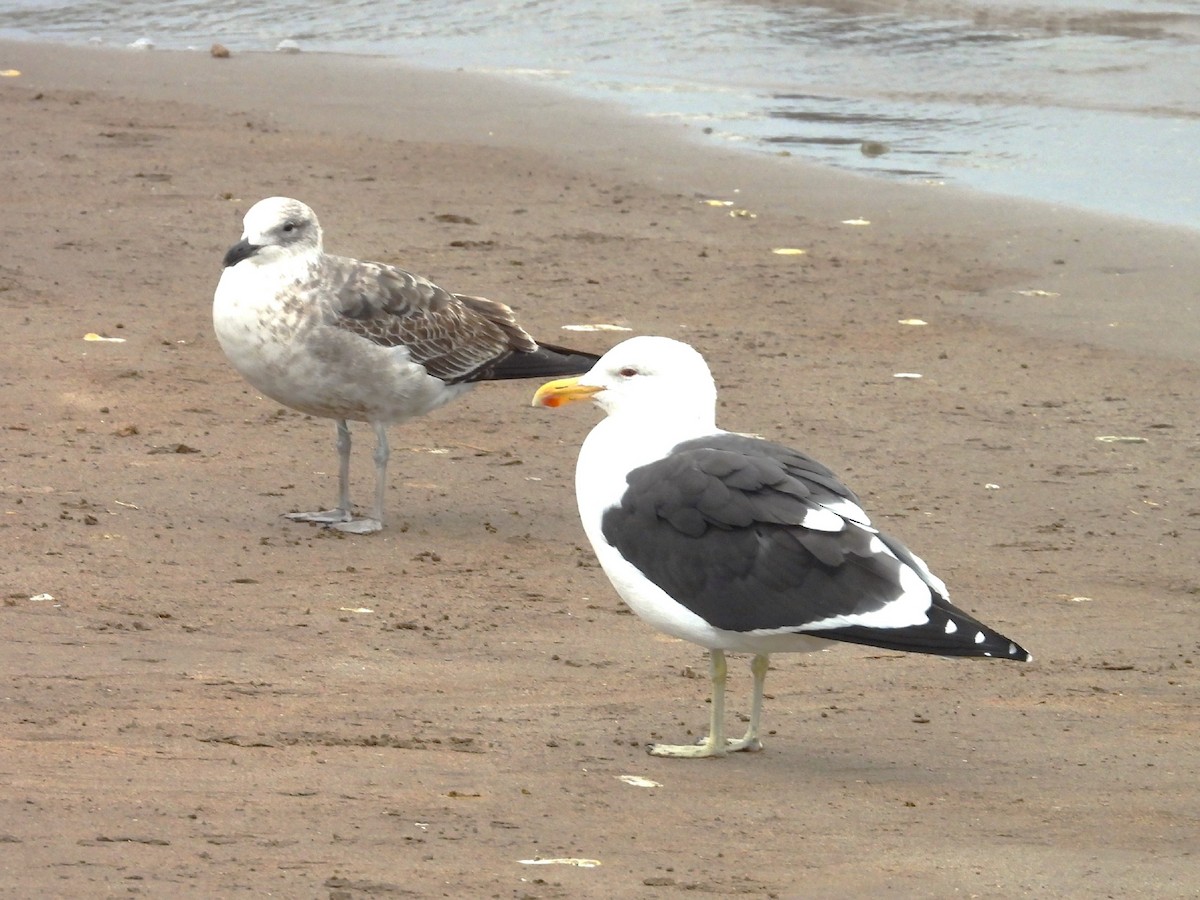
pixel 360 341
pixel 737 543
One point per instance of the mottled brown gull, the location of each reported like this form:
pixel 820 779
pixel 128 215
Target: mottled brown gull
pixel 359 341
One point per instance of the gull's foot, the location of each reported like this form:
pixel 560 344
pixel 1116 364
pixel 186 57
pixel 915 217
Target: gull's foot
pixel 705 748
pixel 702 750
pixel 328 517
pixel 358 526
pixel 341 519
pixel 747 744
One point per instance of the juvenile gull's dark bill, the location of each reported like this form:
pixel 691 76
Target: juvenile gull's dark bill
pixel 736 543
pixel 351 340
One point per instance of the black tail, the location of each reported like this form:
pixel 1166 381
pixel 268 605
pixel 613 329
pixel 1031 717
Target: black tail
pixel 547 361
pixel 949 632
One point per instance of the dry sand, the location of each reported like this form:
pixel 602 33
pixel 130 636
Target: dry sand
pixel 218 702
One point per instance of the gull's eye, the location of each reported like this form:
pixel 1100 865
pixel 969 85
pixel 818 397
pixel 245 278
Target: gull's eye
pixel 628 372
pixel 290 226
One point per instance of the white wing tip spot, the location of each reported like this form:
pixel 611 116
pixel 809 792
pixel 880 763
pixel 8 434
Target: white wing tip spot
pixel 979 637
pixel 950 626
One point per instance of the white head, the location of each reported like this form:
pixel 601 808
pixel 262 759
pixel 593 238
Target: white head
pixel 653 378
pixel 274 228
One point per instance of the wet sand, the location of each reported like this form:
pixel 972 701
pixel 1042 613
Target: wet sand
pixel 217 701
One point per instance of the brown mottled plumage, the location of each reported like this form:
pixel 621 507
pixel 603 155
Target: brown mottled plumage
pixel 350 340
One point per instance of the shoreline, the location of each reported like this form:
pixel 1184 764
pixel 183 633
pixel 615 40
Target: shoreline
pixel 1106 280
pixel 971 95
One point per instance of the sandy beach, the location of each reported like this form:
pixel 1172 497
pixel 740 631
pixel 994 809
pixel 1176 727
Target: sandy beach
pixel 201 698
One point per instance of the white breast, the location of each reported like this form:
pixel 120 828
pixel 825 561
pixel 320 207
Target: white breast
pixel 285 341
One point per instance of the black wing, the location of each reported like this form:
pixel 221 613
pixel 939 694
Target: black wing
pixel 751 535
pixel 455 337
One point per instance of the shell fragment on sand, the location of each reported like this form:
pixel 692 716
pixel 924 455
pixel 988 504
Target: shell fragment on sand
pixel 562 861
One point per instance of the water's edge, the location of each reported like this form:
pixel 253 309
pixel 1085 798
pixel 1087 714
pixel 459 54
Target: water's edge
pixel 1116 282
pixel 1086 103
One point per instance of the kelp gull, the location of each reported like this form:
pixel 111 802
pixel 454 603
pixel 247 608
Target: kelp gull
pixel 737 543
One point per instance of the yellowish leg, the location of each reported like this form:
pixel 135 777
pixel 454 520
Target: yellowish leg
pixel 714 744
pixel 750 743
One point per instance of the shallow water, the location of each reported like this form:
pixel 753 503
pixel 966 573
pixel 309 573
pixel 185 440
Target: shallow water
pixel 1093 104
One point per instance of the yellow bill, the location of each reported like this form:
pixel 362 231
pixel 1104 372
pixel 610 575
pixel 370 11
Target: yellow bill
pixel 563 391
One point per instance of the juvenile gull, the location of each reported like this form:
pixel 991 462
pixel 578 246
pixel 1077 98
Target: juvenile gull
pixel 350 340
pixel 737 543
